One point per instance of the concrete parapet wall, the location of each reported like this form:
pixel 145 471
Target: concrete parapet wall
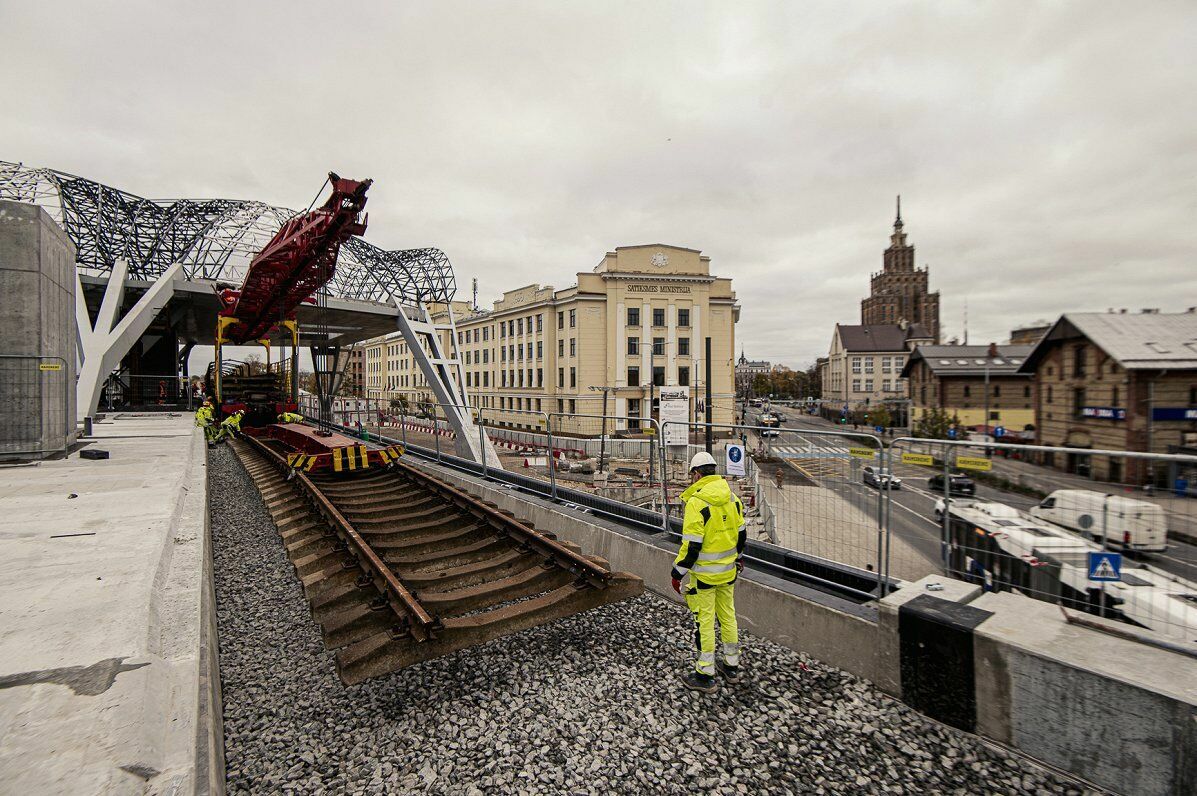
pixel 1117 712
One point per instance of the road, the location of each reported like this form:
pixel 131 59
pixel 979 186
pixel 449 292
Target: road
pixel 912 511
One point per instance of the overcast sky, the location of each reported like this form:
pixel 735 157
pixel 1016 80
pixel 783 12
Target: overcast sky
pixel 1046 153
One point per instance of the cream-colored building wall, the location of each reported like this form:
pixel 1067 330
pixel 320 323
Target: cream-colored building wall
pixel 593 314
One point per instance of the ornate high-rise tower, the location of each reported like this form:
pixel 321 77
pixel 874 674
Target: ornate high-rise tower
pixel 899 291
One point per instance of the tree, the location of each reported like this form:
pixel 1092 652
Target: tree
pixel 254 365
pixel 761 385
pixel 934 424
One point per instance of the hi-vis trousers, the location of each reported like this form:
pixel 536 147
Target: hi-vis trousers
pixel 709 603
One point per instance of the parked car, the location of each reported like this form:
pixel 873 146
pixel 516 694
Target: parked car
pixel 770 432
pixel 960 484
pixel 1126 522
pixel 878 476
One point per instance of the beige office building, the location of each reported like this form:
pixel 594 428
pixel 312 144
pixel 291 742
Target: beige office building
pixel 635 324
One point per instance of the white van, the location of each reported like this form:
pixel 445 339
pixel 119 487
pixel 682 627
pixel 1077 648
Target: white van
pixel 1131 524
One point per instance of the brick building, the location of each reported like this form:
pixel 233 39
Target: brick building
pixel 899 292
pixel 953 378
pixel 1116 381
pixel 864 363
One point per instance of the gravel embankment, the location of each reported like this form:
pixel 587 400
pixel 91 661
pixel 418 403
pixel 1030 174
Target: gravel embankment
pixel 590 704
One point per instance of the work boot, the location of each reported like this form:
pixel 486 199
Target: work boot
pixel 699 682
pixel 730 673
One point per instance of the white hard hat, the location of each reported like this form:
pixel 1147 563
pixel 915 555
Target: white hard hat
pixel 701 459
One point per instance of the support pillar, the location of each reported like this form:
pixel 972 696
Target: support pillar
pixel 106 342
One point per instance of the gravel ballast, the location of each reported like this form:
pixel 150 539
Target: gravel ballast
pixel 589 704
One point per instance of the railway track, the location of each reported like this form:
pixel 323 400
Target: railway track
pixel 400 567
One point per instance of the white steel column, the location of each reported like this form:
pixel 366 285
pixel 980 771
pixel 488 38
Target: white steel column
pixel 444 378
pixel 105 343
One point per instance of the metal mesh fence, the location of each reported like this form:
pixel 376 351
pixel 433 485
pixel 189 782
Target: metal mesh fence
pixel 1113 548
pixel 35 405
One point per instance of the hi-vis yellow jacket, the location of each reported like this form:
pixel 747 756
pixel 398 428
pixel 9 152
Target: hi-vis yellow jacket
pixel 713 533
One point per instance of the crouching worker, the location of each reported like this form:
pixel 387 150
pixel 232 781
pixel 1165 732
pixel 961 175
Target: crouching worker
pixel 290 417
pixel 230 426
pixel 713 540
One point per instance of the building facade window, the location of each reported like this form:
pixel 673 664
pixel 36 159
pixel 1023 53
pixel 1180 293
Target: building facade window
pixel 633 346
pixel 683 346
pixel 683 318
pixel 633 316
pixel 658 316
pixel 561 347
pixel 573 318
pixel 683 376
pixel 1078 361
pixel 658 376
pixel 560 377
pixel 633 376
pixel 658 346
pixel 856 365
pixel 561 320
pixel 1078 401
pixel 573 346
pixel 573 377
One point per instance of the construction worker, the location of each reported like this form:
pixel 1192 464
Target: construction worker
pixel 713 540
pixel 290 417
pixel 231 425
pixel 205 419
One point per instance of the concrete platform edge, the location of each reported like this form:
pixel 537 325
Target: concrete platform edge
pixel 209 731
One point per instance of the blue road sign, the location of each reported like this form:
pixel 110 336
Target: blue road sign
pixel 951 433
pixel 878 429
pixel 1105 566
pixel 735 453
pixel 999 431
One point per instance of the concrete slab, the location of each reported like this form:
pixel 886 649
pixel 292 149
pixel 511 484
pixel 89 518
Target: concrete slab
pixel 1121 713
pixel 107 682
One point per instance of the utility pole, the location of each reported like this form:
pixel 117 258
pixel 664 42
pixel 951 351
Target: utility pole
pixel 603 441
pixel 991 354
pixel 707 377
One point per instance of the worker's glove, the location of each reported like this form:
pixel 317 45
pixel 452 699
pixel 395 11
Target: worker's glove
pixel 677 585
pixel 739 565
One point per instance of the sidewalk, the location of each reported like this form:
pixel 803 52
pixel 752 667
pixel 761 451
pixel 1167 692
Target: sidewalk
pixel 108 678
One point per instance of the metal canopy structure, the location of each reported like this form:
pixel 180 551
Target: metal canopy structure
pixel 212 239
pixel 173 245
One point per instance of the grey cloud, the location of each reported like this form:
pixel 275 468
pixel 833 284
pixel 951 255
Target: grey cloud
pixel 1046 153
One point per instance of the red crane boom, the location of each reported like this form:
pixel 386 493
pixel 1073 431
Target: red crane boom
pixel 299 260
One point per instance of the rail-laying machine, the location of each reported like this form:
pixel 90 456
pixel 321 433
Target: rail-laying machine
pixel 290 270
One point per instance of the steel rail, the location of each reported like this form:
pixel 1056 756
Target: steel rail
pixel 562 556
pixel 403 602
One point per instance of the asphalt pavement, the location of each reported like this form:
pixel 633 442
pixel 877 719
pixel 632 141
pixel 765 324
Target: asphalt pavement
pixel 912 509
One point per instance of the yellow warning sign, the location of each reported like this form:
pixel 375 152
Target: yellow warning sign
pixel 974 463
pixel 862 453
pixel 50 366
pixel 918 458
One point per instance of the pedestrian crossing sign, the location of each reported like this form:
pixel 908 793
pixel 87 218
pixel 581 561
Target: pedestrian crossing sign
pixel 1105 566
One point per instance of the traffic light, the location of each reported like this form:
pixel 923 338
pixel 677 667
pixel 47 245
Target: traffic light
pixel 843 420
